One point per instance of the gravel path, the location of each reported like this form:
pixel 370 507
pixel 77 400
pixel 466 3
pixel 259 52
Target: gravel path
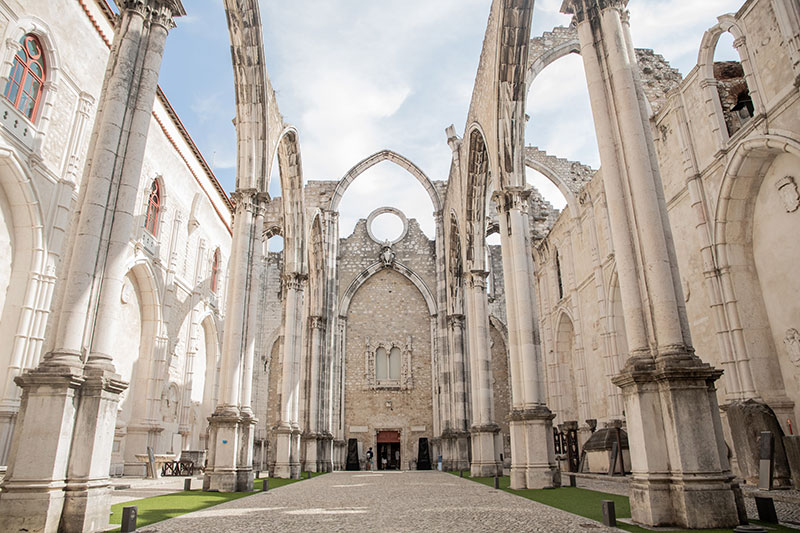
pixel 385 502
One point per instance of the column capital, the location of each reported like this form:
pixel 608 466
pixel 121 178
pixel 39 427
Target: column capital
pixel 294 280
pixel 511 198
pixel 248 199
pixel 317 322
pixel 456 320
pixel 583 9
pixel 161 12
pixel 476 279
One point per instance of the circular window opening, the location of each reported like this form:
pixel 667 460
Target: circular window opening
pixel 387 224
pixel 387 227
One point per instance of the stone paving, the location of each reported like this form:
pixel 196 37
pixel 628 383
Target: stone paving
pixel 380 502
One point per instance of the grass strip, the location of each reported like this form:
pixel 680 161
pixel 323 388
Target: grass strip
pixel 158 508
pixel 588 504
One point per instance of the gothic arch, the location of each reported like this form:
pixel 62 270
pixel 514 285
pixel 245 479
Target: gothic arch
pixel 291 175
pixel 398 267
pixel 316 266
pixel 379 157
pixel 569 176
pixel 549 48
pixel 478 176
pixel 455 266
pixel 705 64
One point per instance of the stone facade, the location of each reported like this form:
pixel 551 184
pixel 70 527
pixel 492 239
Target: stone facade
pixel 665 286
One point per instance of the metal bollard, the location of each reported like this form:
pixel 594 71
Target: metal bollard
pixel 265 486
pixel 308 474
pixel 460 473
pixel 496 482
pixel 609 514
pixel 572 481
pixel 129 515
pixel 766 509
pixel 187 484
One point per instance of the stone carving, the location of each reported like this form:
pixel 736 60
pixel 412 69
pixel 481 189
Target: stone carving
pixel 387 255
pixel 792 343
pixel 787 188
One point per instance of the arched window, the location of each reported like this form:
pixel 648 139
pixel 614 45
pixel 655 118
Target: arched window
pixel 25 82
pixel 558 275
pixel 387 365
pixel 215 272
pixel 394 364
pixel 153 206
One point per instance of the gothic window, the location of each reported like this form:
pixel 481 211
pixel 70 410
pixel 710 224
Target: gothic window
pixel 558 274
pixel 153 206
pixel 388 366
pixel 215 271
pixel 26 80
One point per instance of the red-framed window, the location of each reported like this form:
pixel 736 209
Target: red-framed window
pixel 215 271
pixel 153 207
pixel 25 83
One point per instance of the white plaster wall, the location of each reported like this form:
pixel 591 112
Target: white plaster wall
pixel 776 250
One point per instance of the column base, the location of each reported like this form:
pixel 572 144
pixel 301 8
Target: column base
pixel 681 474
pixel 311 446
pixel 287 451
pixel 221 475
pixel 32 497
pixel 485 455
pixel 245 477
pixel 87 492
pixel 326 452
pixel 533 464
pixel 455 448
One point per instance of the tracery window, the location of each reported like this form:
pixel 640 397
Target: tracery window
pixel 215 272
pixel 26 80
pixel 388 365
pixel 153 206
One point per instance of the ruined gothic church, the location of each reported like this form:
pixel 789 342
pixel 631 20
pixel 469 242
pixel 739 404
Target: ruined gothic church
pixel 650 327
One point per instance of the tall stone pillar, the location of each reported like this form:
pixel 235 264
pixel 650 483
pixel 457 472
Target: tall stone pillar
pixel 60 455
pixel 231 424
pixel 533 464
pixel 485 444
pixel 458 434
pixel 312 436
pixel 681 474
pixel 287 458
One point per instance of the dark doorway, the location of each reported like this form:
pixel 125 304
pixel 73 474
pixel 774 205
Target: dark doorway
pixel 424 455
pixel 388 450
pixel 352 455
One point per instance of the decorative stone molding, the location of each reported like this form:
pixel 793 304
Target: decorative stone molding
pixel 294 281
pixel 383 210
pixel 476 279
pixel 317 322
pixel 405 380
pixel 787 189
pixel 456 321
pixel 792 343
pixel 387 256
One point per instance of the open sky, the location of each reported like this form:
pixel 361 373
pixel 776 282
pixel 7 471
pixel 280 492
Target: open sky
pixel 359 76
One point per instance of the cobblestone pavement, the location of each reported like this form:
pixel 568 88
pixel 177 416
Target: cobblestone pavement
pixel 386 502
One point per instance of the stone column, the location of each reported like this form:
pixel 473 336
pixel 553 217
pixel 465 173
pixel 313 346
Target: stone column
pixel 533 463
pixel 287 458
pixel 681 474
pixel 59 462
pixel 316 327
pixel 225 432
pixel 485 452
pixel 244 466
pixel 460 434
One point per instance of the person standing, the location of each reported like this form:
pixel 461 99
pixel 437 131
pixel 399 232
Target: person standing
pixel 369 459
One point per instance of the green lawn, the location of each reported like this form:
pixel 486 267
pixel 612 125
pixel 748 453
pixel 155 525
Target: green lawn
pixel 587 503
pixel 158 508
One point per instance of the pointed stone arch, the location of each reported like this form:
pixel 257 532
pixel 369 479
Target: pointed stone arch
pixel 379 157
pixel 478 176
pixel 398 267
pixel 291 176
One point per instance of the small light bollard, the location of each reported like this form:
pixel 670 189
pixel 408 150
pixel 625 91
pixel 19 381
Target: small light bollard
pixel 460 473
pixel 129 515
pixel 609 514
pixel 308 474
pixel 496 481
pixel 265 486
pixel 187 484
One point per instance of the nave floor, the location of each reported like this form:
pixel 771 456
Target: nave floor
pixel 380 502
